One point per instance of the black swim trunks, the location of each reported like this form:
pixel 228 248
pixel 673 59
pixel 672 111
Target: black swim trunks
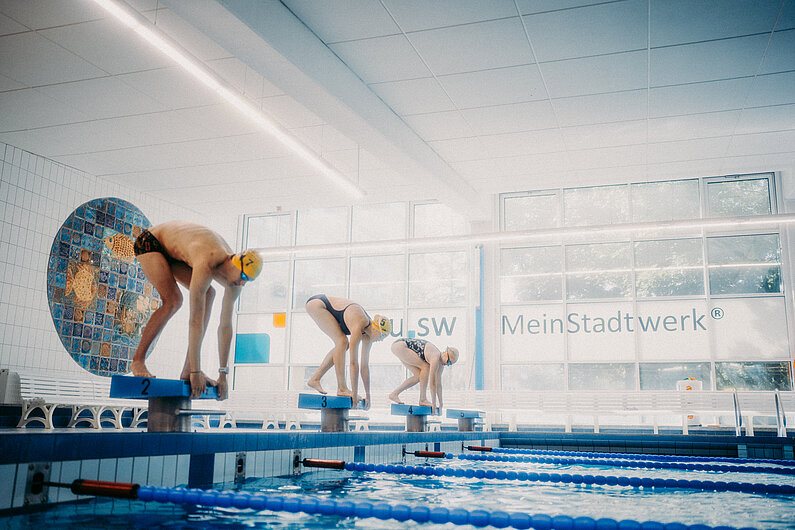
pixel 417 345
pixel 147 242
pixel 338 314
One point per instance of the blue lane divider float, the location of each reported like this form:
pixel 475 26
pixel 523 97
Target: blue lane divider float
pixel 400 512
pixel 723 468
pixel 567 478
pixel 636 456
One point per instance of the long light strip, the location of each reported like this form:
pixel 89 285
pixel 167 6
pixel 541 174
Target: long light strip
pixel 529 235
pixel 194 67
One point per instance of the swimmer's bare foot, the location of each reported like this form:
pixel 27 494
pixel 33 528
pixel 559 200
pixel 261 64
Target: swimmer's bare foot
pixel 394 397
pixel 425 403
pixel 139 370
pixel 344 392
pixel 315 385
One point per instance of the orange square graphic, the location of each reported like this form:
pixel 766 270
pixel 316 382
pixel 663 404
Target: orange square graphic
pixel 279 320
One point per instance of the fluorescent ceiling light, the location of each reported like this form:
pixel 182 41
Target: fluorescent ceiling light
pixel 528 236
pixel 132 19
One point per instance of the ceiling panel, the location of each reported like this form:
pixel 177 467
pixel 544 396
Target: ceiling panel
pixel 761 143
pixel 335 21
pixel 495 87
pixel 460 149
pixel 612 157
pixel 601 108
pixel 529 7
pixel 170 86
pixel 414 15
pixel 102 98
pixel 473 47
pixel 605 135
pixel 82 137
pixel 6 83
pixel 518 117
pixel 586 31
pixel 761 119
pixel 29 108
pixel 439 125
pixel 8 25
pixel 683 21
pixel 594 75
pixel 780 55
pixel 381 59
pixel 414 96
pixel 772 89
pixel 697 98
pixel 702 148
pixel 31 59
pixel 786 19
pixel 39 14
pixel 693 126
pixel 523 143
pixel 707 61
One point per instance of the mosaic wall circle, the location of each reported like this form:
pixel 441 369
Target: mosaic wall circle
pixel 99 297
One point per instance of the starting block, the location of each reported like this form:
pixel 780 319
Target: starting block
pixel 333 410
pixel 466 418
pixel 169 400
pixel 416 416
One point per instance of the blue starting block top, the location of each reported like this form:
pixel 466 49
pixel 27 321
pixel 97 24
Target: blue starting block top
pixel 453 413
pixel 318 402
pixel 131 387
pixel 410 410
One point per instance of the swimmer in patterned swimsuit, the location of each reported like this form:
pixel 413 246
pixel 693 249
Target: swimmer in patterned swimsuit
pixel 338 318
pixel 426 364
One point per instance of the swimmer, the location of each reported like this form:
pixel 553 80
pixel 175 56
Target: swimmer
pixel 194 256
pixel 338 318
pixel 426 364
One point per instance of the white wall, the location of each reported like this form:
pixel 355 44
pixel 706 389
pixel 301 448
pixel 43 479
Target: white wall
pixel 36 197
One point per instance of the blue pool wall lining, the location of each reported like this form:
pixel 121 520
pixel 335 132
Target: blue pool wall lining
pixel 173 459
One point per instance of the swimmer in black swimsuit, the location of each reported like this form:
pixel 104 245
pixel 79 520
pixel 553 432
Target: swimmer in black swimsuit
pixel 426 364
pixel 339 318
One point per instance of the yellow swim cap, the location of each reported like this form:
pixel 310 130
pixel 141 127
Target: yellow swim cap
pixel 249 262
pixel 382 324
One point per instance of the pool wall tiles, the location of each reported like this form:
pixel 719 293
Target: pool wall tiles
pixel 36 197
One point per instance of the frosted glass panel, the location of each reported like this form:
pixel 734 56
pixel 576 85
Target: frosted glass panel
pixel 669 268
pixel 744 264
pixel 255 378
pixel 323 226
pixel 750 328
pixel 379 280
pixel 275 328
pixel 598 271
pixel 665 201
pixel 754 376
pixel 531 212
pixel 269 291
pixel 532 333
pixel 444 327
pixel 437 220
pixel 664 376
pixel 596 206
pixel 673 330
pixel 379 222
pixel 308 345
pixel 599 332
pixel 316 276
pixel 437 279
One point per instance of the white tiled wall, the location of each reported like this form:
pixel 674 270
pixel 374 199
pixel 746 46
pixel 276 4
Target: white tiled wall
pixel 36 197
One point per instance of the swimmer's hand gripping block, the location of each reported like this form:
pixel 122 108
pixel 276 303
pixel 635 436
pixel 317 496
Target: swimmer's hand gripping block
pixel 410 410
pixel 131 387
pixel 319 402
pixel 454 413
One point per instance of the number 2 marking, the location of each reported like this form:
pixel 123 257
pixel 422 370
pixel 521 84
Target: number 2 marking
pixel 146 382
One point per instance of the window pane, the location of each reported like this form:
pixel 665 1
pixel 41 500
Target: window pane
pixel 602 376
pixel 663 376
pixel 753 376
pixel 269 291
pixel 323 226
pixel 317 276
pixel 665 201
pixel 739 197
pixel 531 212
pixel 378 281
pixel 532 377
pixel 437 279
pixel 379 221
pixel 744 264
pixel 270 231
pixel 596 206
pixel 529 274
pixel 598 271
pixel 437 220
pixel 669 268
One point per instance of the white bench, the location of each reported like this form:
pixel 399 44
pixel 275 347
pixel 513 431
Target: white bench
pixel 86 399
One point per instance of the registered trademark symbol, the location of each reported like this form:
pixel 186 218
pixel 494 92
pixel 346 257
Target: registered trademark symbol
pixel 717 313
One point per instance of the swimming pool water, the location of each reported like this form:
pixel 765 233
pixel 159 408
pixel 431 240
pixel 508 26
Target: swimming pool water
pixel 576 500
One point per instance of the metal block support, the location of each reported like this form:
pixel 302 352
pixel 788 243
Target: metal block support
pixel 333 420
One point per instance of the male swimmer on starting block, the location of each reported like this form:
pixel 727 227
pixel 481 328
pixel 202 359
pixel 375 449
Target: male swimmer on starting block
pixel 338 317
pixel 193 255
pixel 426 363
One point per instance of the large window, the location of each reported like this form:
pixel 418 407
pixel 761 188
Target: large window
pixel 642 308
